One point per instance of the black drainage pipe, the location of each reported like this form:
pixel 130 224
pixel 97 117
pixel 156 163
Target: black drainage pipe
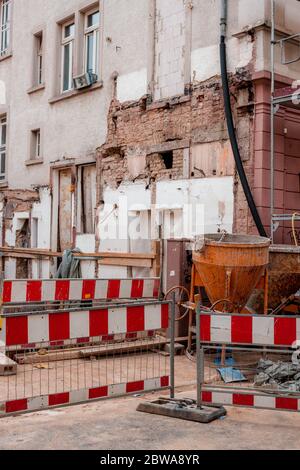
pixel 232 134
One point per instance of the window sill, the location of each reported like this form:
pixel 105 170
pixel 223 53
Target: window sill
pixel 72 93
pixel 36 88
pixel 5 56
pixel 37 161
pixel 3 184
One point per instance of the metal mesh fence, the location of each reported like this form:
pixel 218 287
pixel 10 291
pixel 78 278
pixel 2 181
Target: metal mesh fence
pixel 88 366
pixel 257 370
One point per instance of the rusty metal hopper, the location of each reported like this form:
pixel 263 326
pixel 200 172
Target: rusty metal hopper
pixel 230 267
pixel 284 277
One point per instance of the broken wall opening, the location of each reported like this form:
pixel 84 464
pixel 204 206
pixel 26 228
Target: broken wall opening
pixel 23 236
pixel 167 158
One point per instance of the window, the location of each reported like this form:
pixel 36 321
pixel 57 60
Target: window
pixel 39 58
pixel 36 145
pixel 5 26
pixel 3 128
pixel 68 36
pixel 91 34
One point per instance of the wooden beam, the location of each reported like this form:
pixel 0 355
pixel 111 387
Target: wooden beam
pixel 13 252
pixel 88 351
pixel 137 263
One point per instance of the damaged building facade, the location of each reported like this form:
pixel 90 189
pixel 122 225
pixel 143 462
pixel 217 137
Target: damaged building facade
pixel 148 137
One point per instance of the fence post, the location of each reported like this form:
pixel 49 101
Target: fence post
pixel 200 359
pixel 172 347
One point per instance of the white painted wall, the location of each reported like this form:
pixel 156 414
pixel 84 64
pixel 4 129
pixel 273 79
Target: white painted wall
pixel 132 86
pixel 210 199
pixel 87 244
pixel 169 48
pixel 114 219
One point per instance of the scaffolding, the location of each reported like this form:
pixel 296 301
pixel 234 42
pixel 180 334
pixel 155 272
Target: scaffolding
pixel 288 97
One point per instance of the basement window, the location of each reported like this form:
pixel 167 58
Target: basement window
pixel 167 158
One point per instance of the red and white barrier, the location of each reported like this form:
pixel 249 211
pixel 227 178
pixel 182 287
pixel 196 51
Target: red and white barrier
pixel 81 396
pixel 82 326
pixel 251 400
pixel 20 291
pixel 249 329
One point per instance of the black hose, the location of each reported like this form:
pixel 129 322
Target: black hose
pixel 233 140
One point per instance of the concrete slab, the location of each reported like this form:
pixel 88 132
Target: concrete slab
pixel 8 367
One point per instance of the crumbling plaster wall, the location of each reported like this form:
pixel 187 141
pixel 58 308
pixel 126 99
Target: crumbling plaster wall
pixel 185 62
pixel 16 209
pixel 192 127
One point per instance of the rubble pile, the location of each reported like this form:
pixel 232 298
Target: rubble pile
pixel 279 375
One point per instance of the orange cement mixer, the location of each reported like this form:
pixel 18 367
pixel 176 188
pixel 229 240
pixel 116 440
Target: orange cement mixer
pixel 230 267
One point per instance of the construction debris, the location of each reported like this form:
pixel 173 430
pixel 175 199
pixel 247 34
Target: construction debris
pixel 279 375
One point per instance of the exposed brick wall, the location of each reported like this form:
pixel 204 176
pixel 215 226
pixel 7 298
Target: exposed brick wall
pixel 178 123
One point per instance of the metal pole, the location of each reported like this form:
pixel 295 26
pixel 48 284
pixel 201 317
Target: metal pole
pixel 200 360
pixel 273 44
pixel 223 22
pixel 172 348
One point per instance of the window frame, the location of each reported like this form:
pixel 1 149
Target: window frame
pixel 65 41
pixel 37 153
pixel 39 58
pixel 93 30
pixel 5 28
pixel 36 145
pixel 3 147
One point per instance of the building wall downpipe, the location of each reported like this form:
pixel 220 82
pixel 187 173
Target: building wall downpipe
pixel 230 123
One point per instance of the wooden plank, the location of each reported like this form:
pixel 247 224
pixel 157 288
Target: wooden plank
pixel 138 263
pixel 24 256
pixel 124 347
pixel 101 350
pixel 49 253
pixel 156 247
pixel 29 251
pixel 124 255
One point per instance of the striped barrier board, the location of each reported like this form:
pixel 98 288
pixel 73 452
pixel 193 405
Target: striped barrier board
pixel 252 400
pixel 20 291
pixel 81 396
pixel 255 330
pixel 59 328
